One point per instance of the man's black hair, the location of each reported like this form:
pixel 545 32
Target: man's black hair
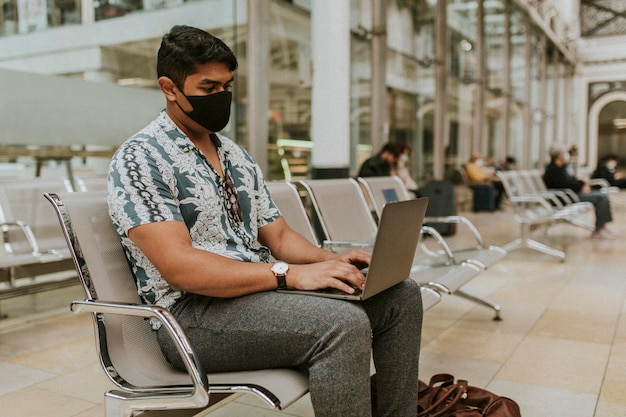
pixel 393 148
pixel 185 47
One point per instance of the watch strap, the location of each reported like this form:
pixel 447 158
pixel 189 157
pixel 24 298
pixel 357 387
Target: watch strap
pixel 282 281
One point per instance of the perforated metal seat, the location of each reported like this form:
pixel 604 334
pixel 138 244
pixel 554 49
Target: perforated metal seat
pixel 127 346
pixel 345 215
pixel 288 200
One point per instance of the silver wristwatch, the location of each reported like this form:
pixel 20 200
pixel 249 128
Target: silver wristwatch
pixel 280 271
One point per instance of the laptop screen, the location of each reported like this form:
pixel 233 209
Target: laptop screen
pixel 390 195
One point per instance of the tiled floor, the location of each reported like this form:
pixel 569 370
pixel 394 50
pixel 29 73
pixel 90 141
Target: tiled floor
pixel 559 351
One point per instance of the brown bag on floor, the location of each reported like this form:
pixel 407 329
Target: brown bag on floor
pixel 442 397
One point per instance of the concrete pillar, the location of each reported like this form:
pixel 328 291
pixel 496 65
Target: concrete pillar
pixel 441 81
pixel 379 135
pixel 330 96
pixel 508 94
pixel 479 144
pixel 258 80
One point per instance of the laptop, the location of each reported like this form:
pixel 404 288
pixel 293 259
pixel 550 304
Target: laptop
pixel 394 249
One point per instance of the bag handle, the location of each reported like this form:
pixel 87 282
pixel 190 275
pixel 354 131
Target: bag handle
pixel 453 395
pixel 437 379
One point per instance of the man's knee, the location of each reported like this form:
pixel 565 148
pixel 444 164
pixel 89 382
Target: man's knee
pixel 409 292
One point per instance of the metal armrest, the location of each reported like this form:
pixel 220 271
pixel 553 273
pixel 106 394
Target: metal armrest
pixel 427 230
pixel 569 195
pixel 557 198
pixel 458 220
pixel 535 199
pixel 603 185
pixel 199 393
pixel 440 288
pixel 28 235
pixel 600 182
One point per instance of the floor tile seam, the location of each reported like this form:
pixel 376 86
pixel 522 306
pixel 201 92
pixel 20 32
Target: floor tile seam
pixel 33 319
pixel 508 358
pixel 457 323
pixel 606 362
pixel 610 341
pixel 547 309
pixel 29 350
pixel 622 316
pixel 41 385
pixel 550 387
pixel 38 386
pixel 606 345
pixel 519 344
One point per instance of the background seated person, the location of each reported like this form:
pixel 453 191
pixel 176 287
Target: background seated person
pixel 556 176
pixel 402 170
pixel 477 174
pixel 606 170
pixel 383 163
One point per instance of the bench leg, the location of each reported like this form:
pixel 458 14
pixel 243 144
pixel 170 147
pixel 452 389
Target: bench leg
pixel 538 246
pixel 481 301
pixel 526 242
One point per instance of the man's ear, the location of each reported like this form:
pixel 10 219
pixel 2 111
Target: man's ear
pixel 167 87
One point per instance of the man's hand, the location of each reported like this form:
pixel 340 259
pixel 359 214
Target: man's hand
pixel 357 257
pixel 342 273
pixel 586 188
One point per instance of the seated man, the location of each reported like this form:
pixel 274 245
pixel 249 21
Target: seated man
pixel 557 177
pixel 606 170
pixel 199 228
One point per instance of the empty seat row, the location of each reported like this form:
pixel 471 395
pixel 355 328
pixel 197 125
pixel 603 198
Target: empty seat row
pixel 344 216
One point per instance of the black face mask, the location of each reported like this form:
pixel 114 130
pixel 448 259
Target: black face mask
pixel 211 112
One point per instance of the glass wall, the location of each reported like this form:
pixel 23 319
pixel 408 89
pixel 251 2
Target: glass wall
pixel 550 101
pixel 464 83
pixel 361 83
pixel 402 70
pixel 517 104
pixel 23 16
pixel 492 74
pixel 496 56
pixel 424 52
pixel 506 91
pixel 562 113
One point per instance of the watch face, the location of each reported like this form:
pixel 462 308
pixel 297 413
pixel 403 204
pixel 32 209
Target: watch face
pixel 280 268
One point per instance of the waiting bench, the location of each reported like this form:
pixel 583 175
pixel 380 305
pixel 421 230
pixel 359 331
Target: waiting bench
pixel 344 215
pixel 544 207
pixel 34 246
pixel 287 197
pixel 129 352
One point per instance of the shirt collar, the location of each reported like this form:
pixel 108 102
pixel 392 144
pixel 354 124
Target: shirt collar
pixel 181 139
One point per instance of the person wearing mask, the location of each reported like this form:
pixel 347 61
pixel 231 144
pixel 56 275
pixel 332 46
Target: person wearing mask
pixel 383 163
pixel 556 176
pixel 202 234
pixel 477 174
pixel 402 170
pixel 607 170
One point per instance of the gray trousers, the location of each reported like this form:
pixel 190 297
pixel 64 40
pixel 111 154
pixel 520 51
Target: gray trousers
pixel 602 207
pixel 333 339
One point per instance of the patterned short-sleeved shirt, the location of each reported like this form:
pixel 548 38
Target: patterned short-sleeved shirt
pixel 159 175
